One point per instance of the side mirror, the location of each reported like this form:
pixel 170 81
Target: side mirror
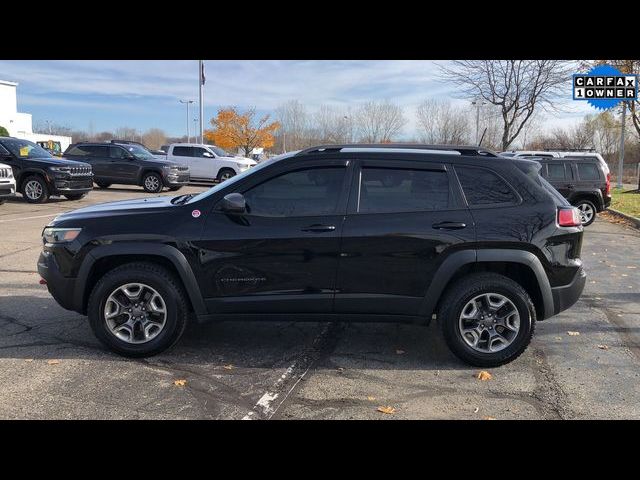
pixel 207 154
pixel 234 203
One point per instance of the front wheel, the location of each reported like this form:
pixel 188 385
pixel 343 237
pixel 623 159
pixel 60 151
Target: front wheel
pixel 587 211
pixel 152 183
pixel 75 196
pixel 138 310
pixel 487 319
pixel 35 189
pixel 225 174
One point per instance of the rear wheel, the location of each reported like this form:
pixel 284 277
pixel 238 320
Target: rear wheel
pixel 225 174
pixel 35 189
pixel 103 184
pixel 138 310
pixel 487 319
pixel 152 183
pixel 587 212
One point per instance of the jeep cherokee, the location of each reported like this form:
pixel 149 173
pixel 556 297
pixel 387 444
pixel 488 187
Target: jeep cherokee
pixel 393 232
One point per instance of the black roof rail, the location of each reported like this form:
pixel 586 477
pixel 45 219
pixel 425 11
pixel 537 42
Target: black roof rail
pixel 462 149
pixel 569 149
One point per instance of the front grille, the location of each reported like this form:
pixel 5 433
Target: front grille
pixel 4 173
pixel 80 171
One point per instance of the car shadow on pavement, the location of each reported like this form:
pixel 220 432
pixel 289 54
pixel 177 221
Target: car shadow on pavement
pixel 36 327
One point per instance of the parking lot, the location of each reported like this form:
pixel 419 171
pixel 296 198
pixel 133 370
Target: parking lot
pixel 51 366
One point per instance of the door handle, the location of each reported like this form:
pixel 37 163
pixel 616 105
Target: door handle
pixel 449 225
pixel 319 228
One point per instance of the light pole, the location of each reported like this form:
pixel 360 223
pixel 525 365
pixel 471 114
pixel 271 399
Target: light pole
pixel 621 158
pixel 188 102
pixel 478 103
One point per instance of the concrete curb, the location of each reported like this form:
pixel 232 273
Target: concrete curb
pixel 634 220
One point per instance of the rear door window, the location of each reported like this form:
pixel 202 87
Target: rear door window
pixel 484 187
pixel 387 190
pixel 182 151
pixel 118 153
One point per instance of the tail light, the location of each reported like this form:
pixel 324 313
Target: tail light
pixel 569 217
pixel 607 192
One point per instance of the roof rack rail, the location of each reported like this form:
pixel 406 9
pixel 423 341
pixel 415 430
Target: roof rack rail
pixel 461 149
pixel 569 149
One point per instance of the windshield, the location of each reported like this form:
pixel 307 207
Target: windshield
pixel 241 176
pixel 25 149
pixel 139 152
pixel 219 151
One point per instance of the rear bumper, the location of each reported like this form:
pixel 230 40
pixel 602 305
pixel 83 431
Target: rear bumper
pixel 565 296
pixel 607 202
pixel 61 288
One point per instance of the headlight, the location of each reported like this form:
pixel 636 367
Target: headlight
pixel 60 169
pixel 60 235
pixel 242 166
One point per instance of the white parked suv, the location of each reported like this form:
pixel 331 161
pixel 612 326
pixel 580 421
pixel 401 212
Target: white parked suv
pixel 7 183
pixel 207 162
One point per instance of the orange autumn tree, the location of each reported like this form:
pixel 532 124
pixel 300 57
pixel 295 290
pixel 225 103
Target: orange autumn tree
pixel 232 129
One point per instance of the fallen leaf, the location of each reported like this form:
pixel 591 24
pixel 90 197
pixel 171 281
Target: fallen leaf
pixel 399 352
pixel 370 398
pixel 387 410
pixel 592 281
pixel 484 376
pixel 476 410
pixel 179 383
pixel 573 334
pixel 603 347
pixel 28 359
pixel 488 418
pixel 228 367
pixel 53 362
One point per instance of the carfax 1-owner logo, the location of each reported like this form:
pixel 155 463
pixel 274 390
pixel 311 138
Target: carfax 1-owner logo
pixel 605 87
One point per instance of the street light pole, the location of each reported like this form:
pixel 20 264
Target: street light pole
pixel 188 102
pixel 621 158
pixel 478 104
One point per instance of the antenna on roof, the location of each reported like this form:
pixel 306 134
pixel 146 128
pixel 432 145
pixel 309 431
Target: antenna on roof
pixel 482 137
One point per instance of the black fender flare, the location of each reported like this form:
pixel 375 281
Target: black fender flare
pixel 592 195
pixel 175 256
pixel 145 170
pixel 25 172
pixel 456 260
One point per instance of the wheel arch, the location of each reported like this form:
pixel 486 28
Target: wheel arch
pixel 594 196
pixel 521 266
pixel 145 170
pixel 107 257
pixel 28 172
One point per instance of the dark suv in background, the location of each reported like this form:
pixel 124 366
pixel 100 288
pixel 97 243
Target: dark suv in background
pixel 353 232
pixel 129 164
pixel 583 178
pixel 39 174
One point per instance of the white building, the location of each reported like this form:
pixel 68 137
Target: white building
pixel 18 124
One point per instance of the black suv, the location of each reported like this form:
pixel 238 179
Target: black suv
pixel 355 232
pixel 584 181
pixel 129 164
pixel 39 174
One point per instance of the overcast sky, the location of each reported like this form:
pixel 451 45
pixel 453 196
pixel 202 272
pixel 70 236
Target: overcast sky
pixel 145 94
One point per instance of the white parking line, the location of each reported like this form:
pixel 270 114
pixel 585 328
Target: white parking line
pixel 31 218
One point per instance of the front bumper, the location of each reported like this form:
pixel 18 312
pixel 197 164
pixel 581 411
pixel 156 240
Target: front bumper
pixel 61 288
pixel 7 190
pixel 72 185
pixel 180 178
pixel 566 295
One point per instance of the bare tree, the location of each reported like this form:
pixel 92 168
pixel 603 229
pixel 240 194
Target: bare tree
pixel 441 123
pixel 294 126
pixel 127 133
pixel 518 87
pixel 154 138
pixel 52 128
pixel 379 122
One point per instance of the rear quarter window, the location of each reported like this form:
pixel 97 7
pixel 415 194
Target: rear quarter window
pixel 587 171
pixel 483 187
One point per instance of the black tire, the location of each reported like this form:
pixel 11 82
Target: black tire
pixel 225 174
pixel 2 201
pixel 152 182
pixel 27 186
pixel 159 279
pixel 103 184
pixel 588 205
pixel 75 196
pixel 175 189
pixel 466 289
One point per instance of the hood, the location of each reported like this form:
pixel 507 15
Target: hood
pixel 60 161
pixel 123 207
